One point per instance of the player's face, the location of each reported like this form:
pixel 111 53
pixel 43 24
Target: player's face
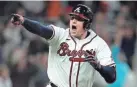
pixel 76 26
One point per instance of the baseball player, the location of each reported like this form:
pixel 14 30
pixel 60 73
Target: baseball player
pixel 76 53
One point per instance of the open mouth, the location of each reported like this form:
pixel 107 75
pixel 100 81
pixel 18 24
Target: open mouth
pixel 74 27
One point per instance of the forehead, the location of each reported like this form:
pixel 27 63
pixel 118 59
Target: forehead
pixel 80 16
pixel 78 22
pixel 76 17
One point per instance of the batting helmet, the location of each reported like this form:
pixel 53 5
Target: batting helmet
pixel 84 12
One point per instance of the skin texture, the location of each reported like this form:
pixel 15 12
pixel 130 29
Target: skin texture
pixel 79 32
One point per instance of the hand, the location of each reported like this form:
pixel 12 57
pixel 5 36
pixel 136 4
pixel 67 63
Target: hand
pixel 92 60
pixel 17 19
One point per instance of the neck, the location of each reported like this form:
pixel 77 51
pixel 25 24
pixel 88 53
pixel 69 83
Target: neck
pixel 84 35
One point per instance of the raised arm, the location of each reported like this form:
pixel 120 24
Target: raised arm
pixel 32 26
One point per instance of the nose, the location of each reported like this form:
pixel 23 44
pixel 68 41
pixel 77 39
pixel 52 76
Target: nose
pixel 74 20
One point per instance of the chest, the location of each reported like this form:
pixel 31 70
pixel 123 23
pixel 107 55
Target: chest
pixel 76 48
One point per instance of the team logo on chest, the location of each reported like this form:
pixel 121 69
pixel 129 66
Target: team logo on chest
pixel 64 50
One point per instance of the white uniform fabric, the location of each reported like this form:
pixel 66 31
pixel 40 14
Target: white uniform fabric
pixel 62 46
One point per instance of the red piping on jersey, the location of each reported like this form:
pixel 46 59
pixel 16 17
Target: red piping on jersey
pixel 71 62
pixel 79 61
pixel 77 74
pixel 70 73
pixel 87 42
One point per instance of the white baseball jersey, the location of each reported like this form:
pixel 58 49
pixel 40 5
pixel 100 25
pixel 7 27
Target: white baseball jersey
pixel 62 46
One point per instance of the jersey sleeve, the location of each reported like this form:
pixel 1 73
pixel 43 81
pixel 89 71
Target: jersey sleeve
pixel 57 32
pixel 104 54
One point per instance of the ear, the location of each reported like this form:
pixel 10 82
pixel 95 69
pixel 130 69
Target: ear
pixel 87 25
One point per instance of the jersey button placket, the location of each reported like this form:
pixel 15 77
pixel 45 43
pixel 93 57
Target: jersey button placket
pixel 73 85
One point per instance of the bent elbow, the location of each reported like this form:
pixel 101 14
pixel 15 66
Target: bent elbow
pixel 112 80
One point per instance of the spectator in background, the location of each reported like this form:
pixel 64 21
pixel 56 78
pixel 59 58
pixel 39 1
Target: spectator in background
pixel 113 9
pixel 54 10
pixel 55 14
pixel 33 8
pixel 5 80
pixel 14 36
pixel 36 51
pixel 10 7
pixel 132 6
pixel 121 66
pixel 37 45
pixel 21 70
pixel 102 26
pixel 2 4
pixel 40 79
pixel 21 11
pixel 128 42
pixel 26 71
pixel 2 42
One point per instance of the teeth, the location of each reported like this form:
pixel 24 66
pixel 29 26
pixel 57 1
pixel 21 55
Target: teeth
pixel 73 27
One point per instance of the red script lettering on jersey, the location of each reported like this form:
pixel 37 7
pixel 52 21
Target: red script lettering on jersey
pixel 64 50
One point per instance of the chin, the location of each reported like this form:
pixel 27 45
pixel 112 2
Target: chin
pixel 74 35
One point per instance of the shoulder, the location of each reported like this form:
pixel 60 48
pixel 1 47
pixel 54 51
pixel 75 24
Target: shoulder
pixel 98 39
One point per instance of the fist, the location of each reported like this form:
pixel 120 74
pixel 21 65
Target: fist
pixel 93 61
pixel 17 19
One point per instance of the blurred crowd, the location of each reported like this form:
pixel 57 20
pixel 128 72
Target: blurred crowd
pixel 23 55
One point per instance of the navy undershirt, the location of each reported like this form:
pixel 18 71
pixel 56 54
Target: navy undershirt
pixel 35 27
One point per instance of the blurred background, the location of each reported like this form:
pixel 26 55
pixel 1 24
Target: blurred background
pixel 23 55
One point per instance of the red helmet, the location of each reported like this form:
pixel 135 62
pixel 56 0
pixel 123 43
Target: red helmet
pixel 83 12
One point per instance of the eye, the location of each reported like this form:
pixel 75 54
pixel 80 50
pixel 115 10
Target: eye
pixel 79 18
pixel 72 17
